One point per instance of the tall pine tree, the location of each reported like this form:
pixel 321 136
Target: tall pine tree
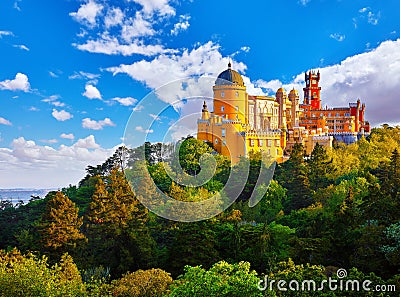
pixel 319 166
pixel 59 226
pixel 116 227
pixel 294 178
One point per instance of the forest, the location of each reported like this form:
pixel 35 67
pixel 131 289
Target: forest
pixel 335 209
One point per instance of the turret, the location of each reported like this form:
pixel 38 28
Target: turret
pixel 294 98
pixel 312 90
pixel 205 115
pixel 281 97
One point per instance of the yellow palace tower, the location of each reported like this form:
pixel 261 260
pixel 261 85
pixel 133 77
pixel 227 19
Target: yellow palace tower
pixel 240 123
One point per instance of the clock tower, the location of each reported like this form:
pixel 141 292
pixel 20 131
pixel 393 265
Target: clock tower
pixel 312 90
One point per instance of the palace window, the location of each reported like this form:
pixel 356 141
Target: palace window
pixel 237 108
pixel 223 132
pixel 269 142
pixel 237 94
pixel 251 142
pixel 222 94
pixel 260 142
pixel 222 108
pixel 216 141
pixel 224 142
pixel 276 142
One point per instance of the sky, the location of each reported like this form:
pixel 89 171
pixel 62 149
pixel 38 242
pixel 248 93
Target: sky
pixel 75 75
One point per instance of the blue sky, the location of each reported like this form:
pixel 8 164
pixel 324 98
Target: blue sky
pixel 73 72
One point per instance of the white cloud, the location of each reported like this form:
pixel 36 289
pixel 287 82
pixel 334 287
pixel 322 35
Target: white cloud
pixel 373 18
pixel 177 73
pixel 92 77
pixel 91 92
pixel 304 2
pixel 254 88
pixel 88 143
pixel 114 17
pixel 338 37
pixel 203 60
pixel 58 103
pixel 87 13
pixel 129 29
pixel 67 136
pixel 6 33
pixel 183 25
pixel 40 166
pixel 155 117
pixel 22 47
pixel 53 100
pixel 161 7
pixel 141 129
pixel 61 115
pixel 50 141
pixel 88 123
pixel 111 46
pixel 4 121
pixel 138 108
pixel 126 101
pixel 19 83
pixel 245 49
pixel 136 27
pixel 52 74
pixel 371 76
pixel 182 131
pixel 33 108
pixel 270 86
pixel 16 6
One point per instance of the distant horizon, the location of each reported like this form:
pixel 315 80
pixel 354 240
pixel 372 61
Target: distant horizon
pixel 28 189
pixel 22 194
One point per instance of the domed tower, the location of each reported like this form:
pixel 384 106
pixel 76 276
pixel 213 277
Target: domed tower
pixel 230 97
pixel 295 99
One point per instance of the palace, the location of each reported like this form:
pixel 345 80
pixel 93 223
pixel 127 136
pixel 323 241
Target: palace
pixel 240 122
